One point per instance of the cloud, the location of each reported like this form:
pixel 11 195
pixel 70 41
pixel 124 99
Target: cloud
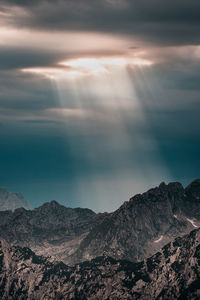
pixel 23 48
pixel 19 57
pixel 125 125
pixel 172 23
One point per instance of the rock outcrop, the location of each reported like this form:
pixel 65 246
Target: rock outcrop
pixel 141 226
pixel 172 273
pixel 137 230
pixel 51 229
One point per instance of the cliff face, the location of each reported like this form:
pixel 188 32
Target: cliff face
pixel 137 230
pixel 50 229
pixel 172 273
pixel 11 201
pixel 143 225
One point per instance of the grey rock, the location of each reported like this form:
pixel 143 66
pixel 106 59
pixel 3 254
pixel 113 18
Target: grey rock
pixel 51 229
pixel 141 226
pixel 137 230
pixel 172 273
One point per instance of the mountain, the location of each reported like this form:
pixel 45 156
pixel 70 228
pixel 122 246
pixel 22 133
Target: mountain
pixel 135 231
pixel 172 273
pixel 141 226
pixel 11 201
pixel 51 229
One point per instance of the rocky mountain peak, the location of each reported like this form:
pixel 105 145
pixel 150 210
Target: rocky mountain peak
pixel 142 225
pixel 11 201
pixel 53 208
pixel 51 205
pixel 164 188
pixel 136 230
pixel 193 189
pixel 54 203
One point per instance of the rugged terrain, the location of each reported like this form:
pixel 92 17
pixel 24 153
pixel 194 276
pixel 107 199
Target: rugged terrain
pixel 11 201
pixel 141 226
pixel 137 230
pixel 51 229
pixel 172 273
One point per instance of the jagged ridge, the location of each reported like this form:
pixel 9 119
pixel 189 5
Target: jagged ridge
pixel 172 273
pixel 51 229
pixel 138 229
pixel 141 226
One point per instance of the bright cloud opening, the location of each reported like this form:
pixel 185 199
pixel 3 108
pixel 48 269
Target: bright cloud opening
pixel 88 66
pixel 96 65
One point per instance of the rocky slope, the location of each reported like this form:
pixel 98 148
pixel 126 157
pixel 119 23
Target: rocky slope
pixel 137 230
pixel 50 229
pixel 172 273
pixel 11 201
pixel 143 225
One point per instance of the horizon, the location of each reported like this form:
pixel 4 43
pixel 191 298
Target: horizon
pixel 103 211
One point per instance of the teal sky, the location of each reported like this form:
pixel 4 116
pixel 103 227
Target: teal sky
pixel 99 100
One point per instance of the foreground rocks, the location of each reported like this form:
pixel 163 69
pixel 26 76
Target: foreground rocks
pixel 172 273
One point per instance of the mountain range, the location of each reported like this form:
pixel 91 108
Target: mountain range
pixel 149 248
pixel 137 230
pixel 172 273
pixel 51 229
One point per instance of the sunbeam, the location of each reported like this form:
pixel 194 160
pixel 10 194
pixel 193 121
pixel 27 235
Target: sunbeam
pixel 102 98
pixel 101 108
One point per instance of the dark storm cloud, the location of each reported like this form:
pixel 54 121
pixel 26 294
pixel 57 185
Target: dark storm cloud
pixel 13 58
pixel 38 146
pixel 167 22
pixel 19 58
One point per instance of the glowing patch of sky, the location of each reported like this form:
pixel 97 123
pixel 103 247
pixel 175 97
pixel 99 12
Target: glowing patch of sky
pixel 126 85
pixel 98 99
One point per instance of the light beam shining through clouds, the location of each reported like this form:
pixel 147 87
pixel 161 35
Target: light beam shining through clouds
pixel 99 100
pixel 97 96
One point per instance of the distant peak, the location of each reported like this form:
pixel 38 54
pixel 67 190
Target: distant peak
pixel 54 202
pixel 162 184
pixel 171 186
pixel 193 188
pixel 12 201
pixel 50 205
pixel 162 188
pixel 195 182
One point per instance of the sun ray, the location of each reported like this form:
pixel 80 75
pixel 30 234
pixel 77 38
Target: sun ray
pixel 98 99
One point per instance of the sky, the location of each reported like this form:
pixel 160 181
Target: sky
pixel 99 99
